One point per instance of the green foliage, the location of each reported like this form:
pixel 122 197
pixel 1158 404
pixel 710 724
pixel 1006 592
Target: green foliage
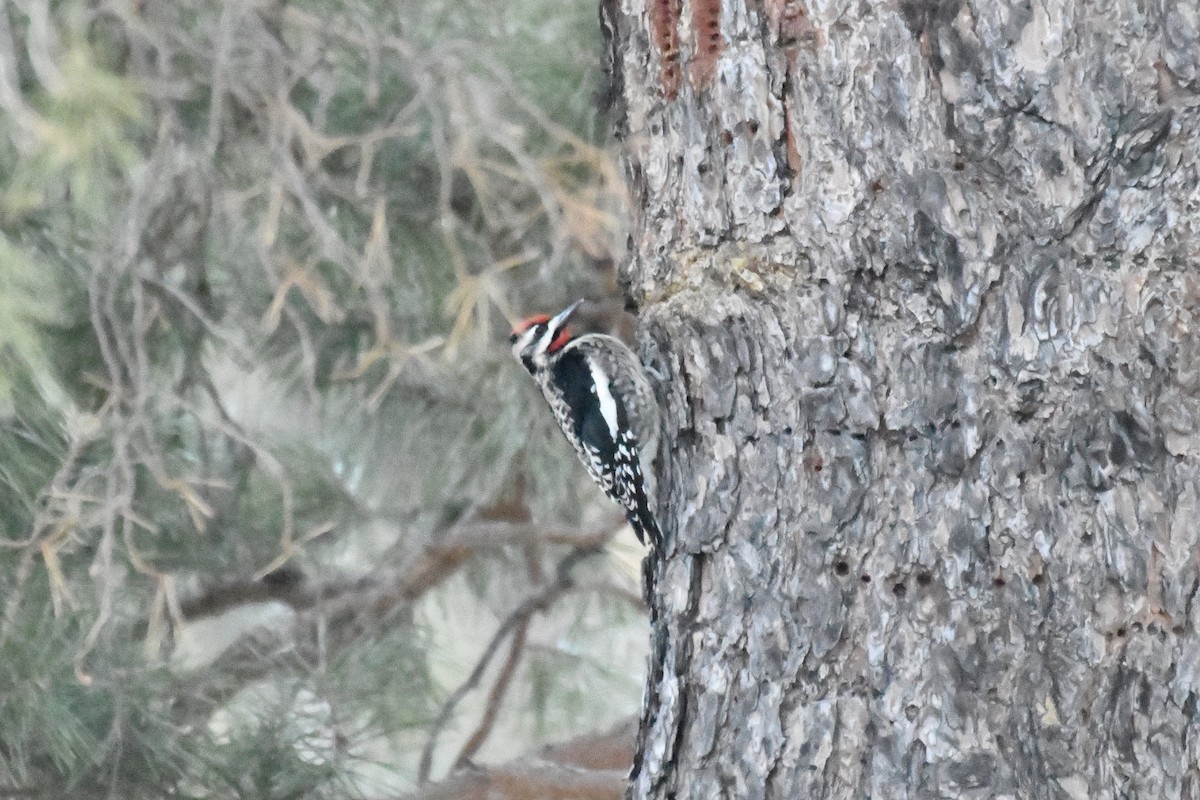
pixel 275 749
pixel 28 305
pixel 32 444
pixel 77 130
pixel 256 264
pixel 63 735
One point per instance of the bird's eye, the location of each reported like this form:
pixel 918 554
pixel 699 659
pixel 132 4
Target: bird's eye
pixel 512 337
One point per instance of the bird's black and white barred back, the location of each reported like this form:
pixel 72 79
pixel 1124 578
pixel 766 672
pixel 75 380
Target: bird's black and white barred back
pixel 599 394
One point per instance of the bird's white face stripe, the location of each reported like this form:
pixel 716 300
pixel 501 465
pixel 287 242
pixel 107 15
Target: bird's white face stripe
pixel 521 347
pixel 608 406
pixel 524 340
pixel 547 339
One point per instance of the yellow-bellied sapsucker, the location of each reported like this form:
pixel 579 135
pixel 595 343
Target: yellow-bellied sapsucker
pixel 603 402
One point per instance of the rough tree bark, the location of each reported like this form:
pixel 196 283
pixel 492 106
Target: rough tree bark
pixel 922 280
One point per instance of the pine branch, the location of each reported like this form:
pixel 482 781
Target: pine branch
pixel 346 608
pixel 288 585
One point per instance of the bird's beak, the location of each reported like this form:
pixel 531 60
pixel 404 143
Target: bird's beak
pixel 564 315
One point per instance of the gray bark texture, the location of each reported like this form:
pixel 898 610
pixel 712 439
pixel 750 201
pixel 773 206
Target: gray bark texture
pixel 923 281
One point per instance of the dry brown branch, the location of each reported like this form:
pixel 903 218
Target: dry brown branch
pixel 529 781
pixel 611 749
pixel 346 608
pixel 289 586
pixel 590 767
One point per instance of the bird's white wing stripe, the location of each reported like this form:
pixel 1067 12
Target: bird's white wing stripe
pixel 608 406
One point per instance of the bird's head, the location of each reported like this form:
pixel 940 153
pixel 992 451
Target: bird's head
pixel 537 338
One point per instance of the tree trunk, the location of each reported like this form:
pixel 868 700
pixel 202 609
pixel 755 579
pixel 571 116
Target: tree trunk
pixel 922 281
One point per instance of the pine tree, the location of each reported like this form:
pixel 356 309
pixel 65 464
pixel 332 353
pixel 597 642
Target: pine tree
pixel 264 458
pixel 921 278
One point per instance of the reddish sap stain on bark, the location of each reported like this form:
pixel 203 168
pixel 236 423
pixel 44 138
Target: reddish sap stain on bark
pixel 706 27
pixel 664 35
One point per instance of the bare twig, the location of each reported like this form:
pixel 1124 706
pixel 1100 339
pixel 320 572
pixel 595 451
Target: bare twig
pixel 495 697
pixel 534 604
pixel 238 349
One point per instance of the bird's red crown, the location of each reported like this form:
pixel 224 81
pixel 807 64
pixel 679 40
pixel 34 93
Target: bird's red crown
pixel 560 340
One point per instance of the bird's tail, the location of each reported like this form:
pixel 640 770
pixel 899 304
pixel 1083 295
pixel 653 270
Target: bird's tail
pixel 644 525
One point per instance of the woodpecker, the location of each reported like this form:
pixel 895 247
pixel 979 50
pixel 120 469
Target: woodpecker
pixel 603 402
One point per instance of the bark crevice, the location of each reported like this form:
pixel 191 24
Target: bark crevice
pixel 924 321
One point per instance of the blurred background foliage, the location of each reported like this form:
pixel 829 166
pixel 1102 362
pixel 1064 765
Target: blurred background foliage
pixel 281 518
